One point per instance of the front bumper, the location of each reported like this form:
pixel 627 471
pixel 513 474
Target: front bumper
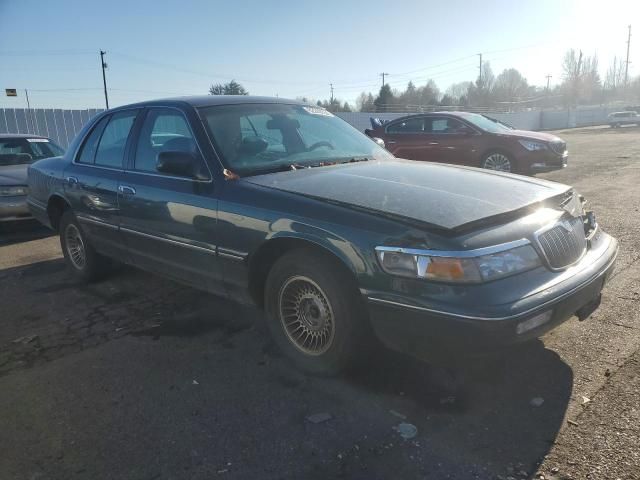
pixel 418 329
pixel 549 162
pixel 14 208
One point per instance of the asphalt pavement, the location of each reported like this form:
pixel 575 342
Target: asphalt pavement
pixel 137 377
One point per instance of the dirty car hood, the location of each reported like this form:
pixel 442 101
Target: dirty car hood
pixel 443 196
pixel 13 174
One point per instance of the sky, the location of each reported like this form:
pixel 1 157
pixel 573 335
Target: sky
pixel 291 48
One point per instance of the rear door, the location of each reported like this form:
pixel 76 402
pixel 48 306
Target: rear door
pixel 405 139
pixel 169 222
pixel 92 181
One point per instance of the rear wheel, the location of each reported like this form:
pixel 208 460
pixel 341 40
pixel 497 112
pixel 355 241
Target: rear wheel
pixel 314 313
pixel 498 161
pixel 83 261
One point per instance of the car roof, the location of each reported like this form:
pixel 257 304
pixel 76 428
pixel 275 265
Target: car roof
pixel 213 100
pixel 453 114
pixel 19 135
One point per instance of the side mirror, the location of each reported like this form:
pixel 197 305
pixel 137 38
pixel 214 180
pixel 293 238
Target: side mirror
pixel 180 164
pixel 379 141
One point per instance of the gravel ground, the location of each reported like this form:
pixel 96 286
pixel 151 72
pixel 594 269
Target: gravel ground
pixel 138 377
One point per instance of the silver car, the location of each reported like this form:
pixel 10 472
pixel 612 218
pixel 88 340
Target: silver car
pixel 17 152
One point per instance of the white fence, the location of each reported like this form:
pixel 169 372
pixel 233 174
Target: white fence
pixel 528 120
pixel 63 125
pixel 59 125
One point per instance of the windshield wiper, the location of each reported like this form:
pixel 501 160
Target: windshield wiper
pixel 358 159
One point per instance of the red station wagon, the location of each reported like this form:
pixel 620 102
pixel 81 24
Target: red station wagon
pixel 470 139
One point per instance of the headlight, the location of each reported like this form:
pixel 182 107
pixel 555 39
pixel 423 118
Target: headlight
pixel 13 191
pixel 472 266
pixel 532 146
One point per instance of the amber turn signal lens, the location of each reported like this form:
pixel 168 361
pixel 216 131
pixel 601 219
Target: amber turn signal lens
pixel 446 268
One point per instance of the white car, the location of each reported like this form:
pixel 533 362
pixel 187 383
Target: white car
pixel 629 117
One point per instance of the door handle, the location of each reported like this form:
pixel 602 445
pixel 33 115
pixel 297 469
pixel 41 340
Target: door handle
pixel 391 142
pixel 72 180
pixel 126 190
pixel 433 143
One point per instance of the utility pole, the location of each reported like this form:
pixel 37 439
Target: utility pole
pixel 26 94
pixel 548 77
pixel 331 87
pixel 104 78
pixel 480 68
pixel 626 65
pixel 383 74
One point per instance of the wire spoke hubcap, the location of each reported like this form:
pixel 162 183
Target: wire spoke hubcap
pixel 75 246
pixel 306 315
pixel 497 161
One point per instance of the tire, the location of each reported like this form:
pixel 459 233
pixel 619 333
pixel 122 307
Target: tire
pixel 314 313
pixel 499 161
pixel 84 263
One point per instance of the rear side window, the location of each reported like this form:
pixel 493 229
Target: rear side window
pixel 88 152
pixel 110 152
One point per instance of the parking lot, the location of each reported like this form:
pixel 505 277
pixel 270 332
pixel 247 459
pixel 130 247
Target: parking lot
pixel 138 377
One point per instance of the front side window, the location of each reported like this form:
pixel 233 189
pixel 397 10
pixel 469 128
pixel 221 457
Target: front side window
pixel 110 151
pixel 163 130
pixel 260 138
pixel 444 125
pixel 410 125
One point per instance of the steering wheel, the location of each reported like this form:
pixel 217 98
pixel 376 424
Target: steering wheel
pixel 322 143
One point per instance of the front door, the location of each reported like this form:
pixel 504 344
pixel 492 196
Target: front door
pixel 169 222
pixel 451 139
pixel 92 181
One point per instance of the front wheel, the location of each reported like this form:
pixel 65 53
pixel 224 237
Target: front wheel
pixel 83 261
pixel 314 313
pixel 498 161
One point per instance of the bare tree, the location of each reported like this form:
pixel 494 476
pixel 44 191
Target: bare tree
pixel 615 75
pixel 510 86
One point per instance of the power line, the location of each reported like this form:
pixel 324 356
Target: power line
pixel 43 53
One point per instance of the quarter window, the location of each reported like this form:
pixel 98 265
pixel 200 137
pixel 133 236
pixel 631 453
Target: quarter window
pixel 88 152
pixel 163 130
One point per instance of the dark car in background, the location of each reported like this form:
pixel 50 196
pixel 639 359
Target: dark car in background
pixel 283 205
pixel 471 139
pixel 17 152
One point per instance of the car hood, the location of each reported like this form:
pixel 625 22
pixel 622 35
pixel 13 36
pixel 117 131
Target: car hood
pixel 443 196
pixel 542 136
pixel 13 174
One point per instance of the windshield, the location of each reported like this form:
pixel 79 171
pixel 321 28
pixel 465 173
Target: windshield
pixel 261 138
pixel 485 123
pixel 16 151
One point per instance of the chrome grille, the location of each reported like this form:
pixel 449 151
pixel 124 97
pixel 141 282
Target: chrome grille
pixel 558 147
pixel 564 243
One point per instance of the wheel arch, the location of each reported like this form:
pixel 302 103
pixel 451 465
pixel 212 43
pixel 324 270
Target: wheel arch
pixel 263 259
pixel 56 206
